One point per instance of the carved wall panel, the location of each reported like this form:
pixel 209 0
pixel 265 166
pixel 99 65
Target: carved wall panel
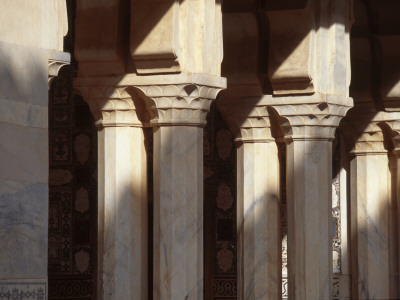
pixel 220 209
pixel 72 193
pixel 73 187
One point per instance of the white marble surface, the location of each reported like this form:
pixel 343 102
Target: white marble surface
pixel 258 213
pixel 309 208
pixel 30 32
pixel 370 204
pixel 23 230
pixel 24 74
pixel 24 156
pixel 122 213
pixel 178 213
pixel 39 24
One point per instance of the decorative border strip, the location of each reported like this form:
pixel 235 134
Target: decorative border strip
pixel 70 288
pixel 224 287
pixel 335 281
pixel 23 290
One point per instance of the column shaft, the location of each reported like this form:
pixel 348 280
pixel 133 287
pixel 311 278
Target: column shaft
pixel 397 214
pixel 370 205
pixel 259 251
pixel 122 212
pixel 178 212
pixel 309 208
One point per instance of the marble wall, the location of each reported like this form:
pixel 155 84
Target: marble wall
pixel 23 161
pixel 30 36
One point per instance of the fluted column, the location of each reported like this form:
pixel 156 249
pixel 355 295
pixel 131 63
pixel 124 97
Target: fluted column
pixel 179 113
pixel 258 216
pixel 309 130
pixel 370 214
pixel 122 194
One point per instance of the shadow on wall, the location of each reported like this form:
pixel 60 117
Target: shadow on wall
pixel 72 192
pixel 23 161
pixel 72 218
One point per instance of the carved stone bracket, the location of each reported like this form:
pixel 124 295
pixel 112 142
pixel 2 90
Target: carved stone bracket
pixel 56 62
pixel 311 118
pixel 316 35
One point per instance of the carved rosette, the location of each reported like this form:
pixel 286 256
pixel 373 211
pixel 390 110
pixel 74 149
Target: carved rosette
pixel 112 106
pixel 311 121
pixel 249 123
pixel 185 104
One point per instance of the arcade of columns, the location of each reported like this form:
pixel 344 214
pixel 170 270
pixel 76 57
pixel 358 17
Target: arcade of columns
pixel 158 64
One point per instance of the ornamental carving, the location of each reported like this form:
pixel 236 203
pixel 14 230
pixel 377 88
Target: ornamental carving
pixel 82 146
pixel 225 259
pixel 23 290
pixel 131 100
pixel 248 119
pixel 373 133
pixel 224 198
pixel 59 60
pixel 177 104
pixel 72 193
pixel 393 126
pixel 311 117
pixel 113 106
pixel 224 143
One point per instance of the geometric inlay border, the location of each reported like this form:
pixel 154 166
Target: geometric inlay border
pixel 27 289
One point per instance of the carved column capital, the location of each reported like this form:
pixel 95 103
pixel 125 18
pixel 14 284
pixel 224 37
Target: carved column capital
pixel 372 133
pixel 392 120
pixel 164 100
pixel 248 119
pixel 369 142
pixel 180 104
pixel 396 142
pixel 56 62
pixel 365 133
pixel 311 118
pixel 113 106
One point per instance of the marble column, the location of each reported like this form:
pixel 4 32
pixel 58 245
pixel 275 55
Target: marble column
pixel 122 194
pixel 309 131
pixel 370 216
pixel 178 117
pixel 258 215
pixel 394 126
pixel 397 199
